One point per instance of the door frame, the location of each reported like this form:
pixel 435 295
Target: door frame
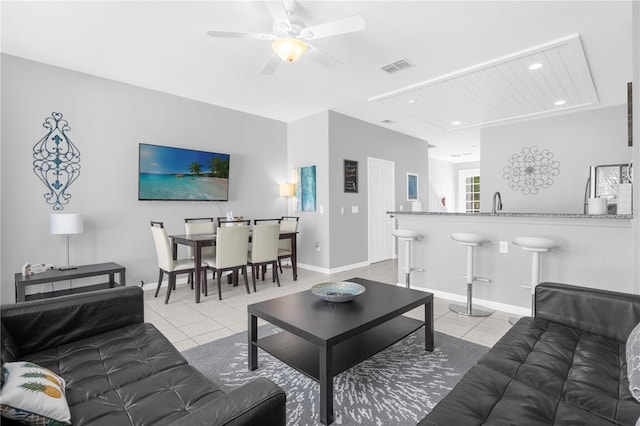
pixel 394 253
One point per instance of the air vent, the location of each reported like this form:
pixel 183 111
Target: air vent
pixel 387 122
pixel 396 66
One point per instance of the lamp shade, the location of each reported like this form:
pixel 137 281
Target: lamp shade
pixel 66 223
pixel 287 189
pixel 289 49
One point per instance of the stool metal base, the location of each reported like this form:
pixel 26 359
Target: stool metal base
pixel 476 311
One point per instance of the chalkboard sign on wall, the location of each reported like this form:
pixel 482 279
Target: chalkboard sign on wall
pixel 350 176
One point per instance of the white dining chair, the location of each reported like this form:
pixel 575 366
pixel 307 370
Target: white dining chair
pixel 264 251
pixel 166 263
pixel 200 225
pixel 232 243
pixel 287 224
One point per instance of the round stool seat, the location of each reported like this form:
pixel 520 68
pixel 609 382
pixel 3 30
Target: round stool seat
pixel 468 239
pixel 535 243
pixel 406 234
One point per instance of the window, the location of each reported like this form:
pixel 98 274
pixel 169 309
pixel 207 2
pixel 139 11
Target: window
pixel 469 191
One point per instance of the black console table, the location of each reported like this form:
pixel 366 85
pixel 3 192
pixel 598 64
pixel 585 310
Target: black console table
pixel 55 275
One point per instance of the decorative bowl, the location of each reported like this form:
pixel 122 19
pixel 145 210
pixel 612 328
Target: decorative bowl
pixel 341 291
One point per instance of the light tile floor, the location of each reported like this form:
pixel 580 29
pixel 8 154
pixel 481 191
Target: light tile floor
pixel 187 324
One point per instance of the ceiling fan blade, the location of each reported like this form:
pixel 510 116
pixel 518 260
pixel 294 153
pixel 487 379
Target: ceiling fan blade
pixel 271 65
pixel 323 57
pixel 278 12
pixel 349 24
pixel 236 34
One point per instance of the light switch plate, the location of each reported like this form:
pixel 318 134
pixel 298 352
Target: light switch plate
pixel 355 209
pixel 504 246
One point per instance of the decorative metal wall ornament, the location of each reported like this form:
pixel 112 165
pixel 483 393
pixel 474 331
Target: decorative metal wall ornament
pixel 56 161
pixel 531 169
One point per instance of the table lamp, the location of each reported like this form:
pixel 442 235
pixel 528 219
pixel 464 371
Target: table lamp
pixel 287 189
pixel 66 224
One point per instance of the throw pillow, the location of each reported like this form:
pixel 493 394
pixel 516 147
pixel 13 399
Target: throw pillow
pixel 633 362
pixel 33 395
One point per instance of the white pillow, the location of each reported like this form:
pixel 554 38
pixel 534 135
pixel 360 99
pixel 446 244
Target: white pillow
pixel 33 395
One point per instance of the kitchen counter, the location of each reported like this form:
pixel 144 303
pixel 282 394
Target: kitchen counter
pixel 507 214
pixel 595 251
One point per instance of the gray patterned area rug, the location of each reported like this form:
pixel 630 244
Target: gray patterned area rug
pixel 397 386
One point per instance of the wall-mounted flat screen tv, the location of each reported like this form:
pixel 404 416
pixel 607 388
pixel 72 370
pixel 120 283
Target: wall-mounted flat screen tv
pixel 179 174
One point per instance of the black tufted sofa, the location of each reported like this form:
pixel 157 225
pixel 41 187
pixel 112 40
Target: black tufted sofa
pixel 122 371
pixel 566 366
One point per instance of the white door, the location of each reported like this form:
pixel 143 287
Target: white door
pixel 381 186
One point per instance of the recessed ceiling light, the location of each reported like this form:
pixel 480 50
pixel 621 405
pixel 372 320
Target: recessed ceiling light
pixel 535 66
pixel 560 102
pixel 387 122
pixel 411 101
pixel 455 155
pixel 456 123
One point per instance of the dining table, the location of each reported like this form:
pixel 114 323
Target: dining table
pixel 197 241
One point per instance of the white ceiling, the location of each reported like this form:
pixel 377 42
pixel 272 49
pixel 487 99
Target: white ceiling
pixel 164 46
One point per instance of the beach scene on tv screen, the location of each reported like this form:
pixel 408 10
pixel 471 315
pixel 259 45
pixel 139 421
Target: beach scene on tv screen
pixel 168 173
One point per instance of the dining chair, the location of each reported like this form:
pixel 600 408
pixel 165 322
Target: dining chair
pixel 166 263
pixel 232 243
pixel 262 222
pixel 223 221
pixel 287 224
pixel 265 221
pixel 200 225
pixel 264 251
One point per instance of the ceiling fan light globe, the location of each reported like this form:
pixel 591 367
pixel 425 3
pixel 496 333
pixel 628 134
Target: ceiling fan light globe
pixel 289 49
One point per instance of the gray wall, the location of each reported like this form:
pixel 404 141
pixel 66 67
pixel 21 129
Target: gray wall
pixel 308 146
pixel 635 11
pixel 578 140
pixel 108 119
pixel 354 139
pixel 326 140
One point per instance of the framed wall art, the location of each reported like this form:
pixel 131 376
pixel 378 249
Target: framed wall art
pixel 306 189
pixel 412 187
pixel 350 176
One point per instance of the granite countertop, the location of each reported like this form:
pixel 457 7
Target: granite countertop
pixel 506 214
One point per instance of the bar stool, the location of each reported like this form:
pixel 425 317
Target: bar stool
pixel 471 241
pixel 536 246
pixel 408 237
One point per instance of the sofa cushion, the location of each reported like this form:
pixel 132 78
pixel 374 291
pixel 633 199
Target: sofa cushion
pixel 132 375
pixel 546 373
pixel 33 395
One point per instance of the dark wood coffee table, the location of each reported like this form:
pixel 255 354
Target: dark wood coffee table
pixel 322 339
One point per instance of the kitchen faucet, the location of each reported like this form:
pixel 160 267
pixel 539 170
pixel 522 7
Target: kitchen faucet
pixel 497 202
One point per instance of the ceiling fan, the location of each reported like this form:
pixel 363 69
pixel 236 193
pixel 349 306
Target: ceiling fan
pixel 291 37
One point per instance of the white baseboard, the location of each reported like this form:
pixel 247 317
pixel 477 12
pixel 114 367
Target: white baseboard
pixel 512 309
pixel 329 271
